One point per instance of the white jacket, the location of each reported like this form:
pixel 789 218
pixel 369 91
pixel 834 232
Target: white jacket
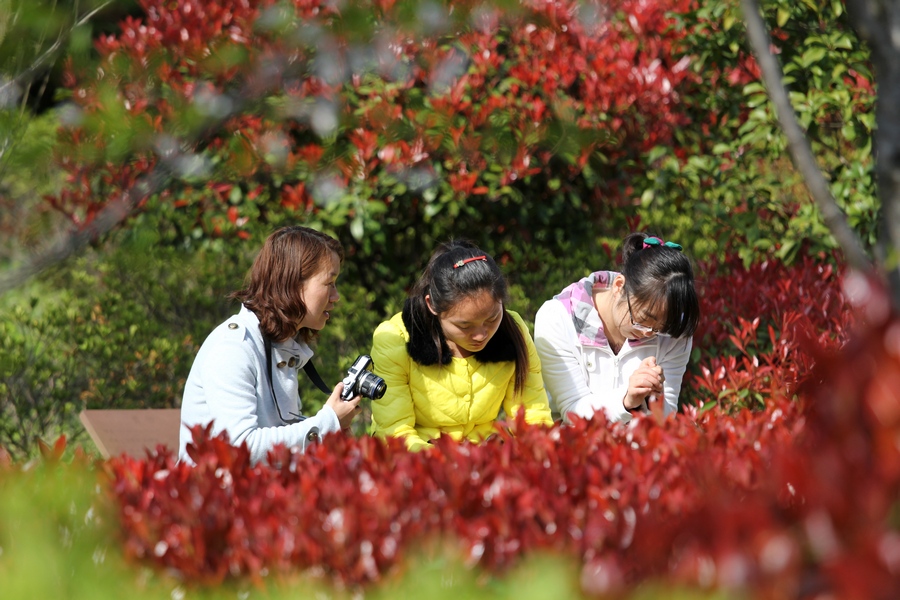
pixel 228 386
pixel 584 379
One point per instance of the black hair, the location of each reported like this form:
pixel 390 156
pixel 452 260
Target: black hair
pixel 661 276
pixel 447 285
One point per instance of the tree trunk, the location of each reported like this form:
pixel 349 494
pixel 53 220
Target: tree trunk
pixel 878 22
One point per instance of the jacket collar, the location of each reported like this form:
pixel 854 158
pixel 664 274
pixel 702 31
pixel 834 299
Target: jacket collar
pixel 578 299
pixel 290 347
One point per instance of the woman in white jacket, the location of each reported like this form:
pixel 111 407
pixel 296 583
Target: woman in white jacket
pixel 244 378
pixel 619 341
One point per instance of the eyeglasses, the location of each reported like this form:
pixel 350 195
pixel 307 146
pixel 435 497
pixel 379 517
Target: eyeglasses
pixel 638 326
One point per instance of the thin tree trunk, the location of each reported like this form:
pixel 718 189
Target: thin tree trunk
pixel 878 23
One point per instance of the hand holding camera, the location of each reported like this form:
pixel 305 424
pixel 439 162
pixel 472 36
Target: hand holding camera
pixel 360 381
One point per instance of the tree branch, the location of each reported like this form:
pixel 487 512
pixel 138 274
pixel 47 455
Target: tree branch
pixel 49 53
pixel 877 23
pixel 798 144
pixel 73 242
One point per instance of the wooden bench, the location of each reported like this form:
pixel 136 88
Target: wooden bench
pixel 132 431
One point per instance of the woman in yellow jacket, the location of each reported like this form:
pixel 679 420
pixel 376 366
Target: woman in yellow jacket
pixel 455 355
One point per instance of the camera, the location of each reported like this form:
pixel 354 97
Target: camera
pixel 363 382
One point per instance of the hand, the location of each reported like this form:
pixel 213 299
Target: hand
pixel 345 410
pixel 647 380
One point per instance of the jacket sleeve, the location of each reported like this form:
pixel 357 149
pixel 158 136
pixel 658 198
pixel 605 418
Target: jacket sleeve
pixel 560 353
pixel 533 397
pixel 394 414
pixel 229 375
pixel 673 361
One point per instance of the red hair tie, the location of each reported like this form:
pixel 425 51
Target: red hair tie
pixel 460 263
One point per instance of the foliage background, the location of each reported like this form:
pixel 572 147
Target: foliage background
pixel 547 173
pixel 544 131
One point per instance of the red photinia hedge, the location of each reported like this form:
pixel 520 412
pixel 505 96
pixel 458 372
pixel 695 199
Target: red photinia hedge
pixel 473 108
pixel 758 321
pixel 353 506
pixel 771 503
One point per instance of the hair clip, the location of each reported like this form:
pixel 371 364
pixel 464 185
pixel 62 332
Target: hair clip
pixel 463 261
pixel 654 241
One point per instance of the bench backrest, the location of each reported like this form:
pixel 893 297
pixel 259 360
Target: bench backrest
pixel 132 431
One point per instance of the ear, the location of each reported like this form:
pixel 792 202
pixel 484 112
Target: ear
pixel 428 304
pixel 618 284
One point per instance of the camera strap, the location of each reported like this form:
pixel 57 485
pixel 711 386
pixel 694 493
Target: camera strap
pixel 314 377
pixel 294 417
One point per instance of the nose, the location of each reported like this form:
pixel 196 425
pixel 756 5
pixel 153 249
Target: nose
pixel 335 296
pixel 479 334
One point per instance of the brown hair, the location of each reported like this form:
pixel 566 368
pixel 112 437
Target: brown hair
pixel 289 257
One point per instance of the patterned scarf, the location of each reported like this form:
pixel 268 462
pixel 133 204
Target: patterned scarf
pixel 578 299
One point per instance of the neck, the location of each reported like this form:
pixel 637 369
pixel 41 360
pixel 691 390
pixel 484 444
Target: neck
pixel 458 352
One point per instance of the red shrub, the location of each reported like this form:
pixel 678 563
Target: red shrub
pixel 351 506
pixel 757 325
pixel 787 501
pixel 478 115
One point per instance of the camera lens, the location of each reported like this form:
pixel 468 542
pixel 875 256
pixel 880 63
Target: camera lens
pixel 371 386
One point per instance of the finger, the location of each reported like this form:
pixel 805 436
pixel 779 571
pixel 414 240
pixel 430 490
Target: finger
pixel 643 390
pixel 338 389
pixel 651 384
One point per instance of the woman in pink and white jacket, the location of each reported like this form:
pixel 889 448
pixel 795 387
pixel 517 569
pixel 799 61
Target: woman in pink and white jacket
pixel 618 342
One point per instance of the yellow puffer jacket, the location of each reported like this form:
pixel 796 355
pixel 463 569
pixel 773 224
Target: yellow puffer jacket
pixel 461 399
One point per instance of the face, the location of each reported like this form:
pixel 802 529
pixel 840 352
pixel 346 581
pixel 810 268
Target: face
pixel 640 322
pixel 470 323
pixel 320 294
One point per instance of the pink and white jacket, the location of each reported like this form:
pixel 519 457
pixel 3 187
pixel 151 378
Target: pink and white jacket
pixel 581 373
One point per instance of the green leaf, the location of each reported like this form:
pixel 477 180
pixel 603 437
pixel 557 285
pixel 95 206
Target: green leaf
pixel 813 55
pixel 838 7
pixel 844 42
pixel 357 227
pixel 707 406
pixel 720 149
pixel 754 88
pixel 783 16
